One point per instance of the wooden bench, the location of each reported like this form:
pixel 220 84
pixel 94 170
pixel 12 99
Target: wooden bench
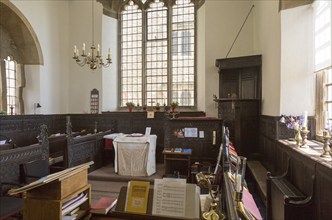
pixel 258 172
pixel 285 200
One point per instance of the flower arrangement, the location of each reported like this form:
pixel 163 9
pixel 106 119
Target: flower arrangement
pixel 293 122
pixel 174 105
pixel 130 106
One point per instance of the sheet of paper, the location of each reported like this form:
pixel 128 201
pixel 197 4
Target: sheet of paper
pixel 169 197
pixel 201 134
pixel 147 130
pixel 190 132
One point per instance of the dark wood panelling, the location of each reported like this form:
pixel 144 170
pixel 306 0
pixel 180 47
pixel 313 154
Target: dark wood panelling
pixel 23 129
pixel 202 148
pixel 323 192
pixel 274 155
pixel 239 103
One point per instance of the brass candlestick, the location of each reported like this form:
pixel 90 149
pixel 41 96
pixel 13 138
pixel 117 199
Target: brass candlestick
pixel 304 135
pixel 173 114
pixel 204 182
pixel 326 148
pixel 11 110
pixel 298 138
pixel 212 213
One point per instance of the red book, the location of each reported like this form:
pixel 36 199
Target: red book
pixel 103 205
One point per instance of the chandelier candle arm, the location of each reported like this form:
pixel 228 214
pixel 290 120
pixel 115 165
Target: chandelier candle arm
pixel 94 59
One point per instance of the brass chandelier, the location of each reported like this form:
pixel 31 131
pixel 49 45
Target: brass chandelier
pixel 94 59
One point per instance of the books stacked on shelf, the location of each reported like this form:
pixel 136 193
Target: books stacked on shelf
pixel 178 150
pixel 103 205
pixel 233 154
pixel 168 149
pixel 137 196
pixel 71 207
pixel 187 150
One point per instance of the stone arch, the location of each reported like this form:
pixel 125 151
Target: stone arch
pixel 24 42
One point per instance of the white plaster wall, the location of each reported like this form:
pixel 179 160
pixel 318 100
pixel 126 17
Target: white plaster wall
pixel 31 92
pixel 110 75
pixel 223 20
pixel 83 79
pixel 267 42
pixel 200 80
pixel 297 77
pixel 48 19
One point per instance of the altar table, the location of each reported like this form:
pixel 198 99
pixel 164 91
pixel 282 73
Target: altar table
pixel 135 155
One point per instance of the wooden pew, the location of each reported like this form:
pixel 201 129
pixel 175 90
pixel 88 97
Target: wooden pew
pixel 12 159
pixel 285 200
pixel 82 149
pixel 58 147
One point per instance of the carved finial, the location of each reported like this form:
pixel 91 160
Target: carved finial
pixel 43 140
pixel 43 136
pixel 69 129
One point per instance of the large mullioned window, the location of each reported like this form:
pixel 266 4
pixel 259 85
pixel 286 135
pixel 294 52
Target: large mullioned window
pixel 158 52
pixel 10 67
pixel 323 67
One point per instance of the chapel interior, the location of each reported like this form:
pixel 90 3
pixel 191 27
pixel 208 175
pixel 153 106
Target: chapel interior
pixel 217 109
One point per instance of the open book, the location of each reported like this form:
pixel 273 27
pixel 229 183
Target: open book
pixel 175 198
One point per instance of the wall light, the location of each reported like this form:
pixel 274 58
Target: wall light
pixel 35 106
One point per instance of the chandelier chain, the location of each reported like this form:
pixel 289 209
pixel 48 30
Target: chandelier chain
pixel 93 60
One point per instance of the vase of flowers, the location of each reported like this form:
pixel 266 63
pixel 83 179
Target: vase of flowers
pixel 294 123
pixel 130 106
pixel 174 105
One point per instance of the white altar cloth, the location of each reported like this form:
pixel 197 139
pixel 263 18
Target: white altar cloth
pixel 135 155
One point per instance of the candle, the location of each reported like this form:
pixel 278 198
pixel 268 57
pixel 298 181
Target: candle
pixel 325 133
pixel 305 119
pixel 77 52
pixel 238 182
pixel 83 47
pixel 75 49
pixel 214 134
pixel 326 120
pixel 98 47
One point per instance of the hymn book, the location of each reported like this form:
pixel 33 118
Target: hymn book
pixel 137 196
pixel 103 205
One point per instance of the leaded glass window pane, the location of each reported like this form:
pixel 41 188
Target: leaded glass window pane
pixel 158 57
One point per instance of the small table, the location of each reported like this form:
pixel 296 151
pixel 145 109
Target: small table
pixel 177 164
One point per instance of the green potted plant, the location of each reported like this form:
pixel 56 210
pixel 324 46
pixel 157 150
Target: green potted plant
pixel 130 106
pixel 166 108
pixel 174 105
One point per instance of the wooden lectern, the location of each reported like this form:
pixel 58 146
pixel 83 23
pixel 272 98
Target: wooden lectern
pixel 46 197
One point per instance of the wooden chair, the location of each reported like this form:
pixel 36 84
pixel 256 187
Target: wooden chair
pixel 9 206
